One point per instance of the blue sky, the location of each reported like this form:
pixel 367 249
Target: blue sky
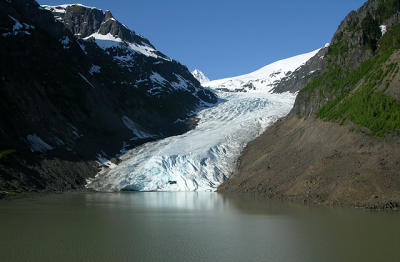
pixel 225 38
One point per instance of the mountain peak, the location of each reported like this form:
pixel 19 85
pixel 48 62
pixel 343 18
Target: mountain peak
pixel 108 15
pixel 89 22
pixel 200 76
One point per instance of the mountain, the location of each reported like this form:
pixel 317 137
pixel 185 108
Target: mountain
pixel 340 143
pixel 91 23
pixel 200 76
pixel 78 88
pixel 266 78
pixel 129 50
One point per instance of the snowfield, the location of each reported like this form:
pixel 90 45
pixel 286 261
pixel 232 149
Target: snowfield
pixel 203 158
pixel 263 79
pixel 200 76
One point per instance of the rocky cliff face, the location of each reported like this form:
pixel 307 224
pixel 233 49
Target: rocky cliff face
pixel 339 144
pixel 77 87
pixel 297 80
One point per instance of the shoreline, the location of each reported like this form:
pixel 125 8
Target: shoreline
pixel 379 206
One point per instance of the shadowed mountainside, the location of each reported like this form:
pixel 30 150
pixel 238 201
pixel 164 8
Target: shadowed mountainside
pixel 72 97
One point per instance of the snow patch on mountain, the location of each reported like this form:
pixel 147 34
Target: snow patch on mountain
pixel 136 129
pixel 59 10
pixel 18 28
pixel 200 76
pixel 109 41
pixel 62 8
pixel 264 79
pixel 182 83
pixel 94 69
pixel 157 78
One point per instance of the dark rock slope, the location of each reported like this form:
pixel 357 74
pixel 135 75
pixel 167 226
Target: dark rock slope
pixel 340 143
pixel 298 79
pixel 76 87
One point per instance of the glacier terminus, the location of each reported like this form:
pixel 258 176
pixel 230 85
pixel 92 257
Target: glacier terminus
pixel 203 158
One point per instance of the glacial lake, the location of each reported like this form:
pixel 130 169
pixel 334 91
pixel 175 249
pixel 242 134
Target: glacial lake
pixel 191 227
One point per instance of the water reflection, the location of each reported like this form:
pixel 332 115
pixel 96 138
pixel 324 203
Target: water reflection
pixel 159 200
pixel 191 227
pixel 201 201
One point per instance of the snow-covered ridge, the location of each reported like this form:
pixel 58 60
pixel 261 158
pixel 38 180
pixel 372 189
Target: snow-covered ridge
pixel 200 76
pixel 109 41
pixel 264 79
pixel 60 10
pixel 63 8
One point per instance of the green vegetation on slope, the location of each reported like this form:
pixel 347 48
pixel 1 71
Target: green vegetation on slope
pixel 371 32
pixel 386 9
pixel 367 105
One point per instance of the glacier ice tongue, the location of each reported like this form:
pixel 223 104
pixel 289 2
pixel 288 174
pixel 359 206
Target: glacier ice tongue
pixel 203 158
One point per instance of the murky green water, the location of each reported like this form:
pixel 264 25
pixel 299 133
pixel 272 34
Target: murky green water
pixel 191 227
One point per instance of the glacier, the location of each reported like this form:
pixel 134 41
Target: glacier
pixel 203 158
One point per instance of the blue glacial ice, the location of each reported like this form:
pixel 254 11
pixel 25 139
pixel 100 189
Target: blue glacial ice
pixel 203 158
